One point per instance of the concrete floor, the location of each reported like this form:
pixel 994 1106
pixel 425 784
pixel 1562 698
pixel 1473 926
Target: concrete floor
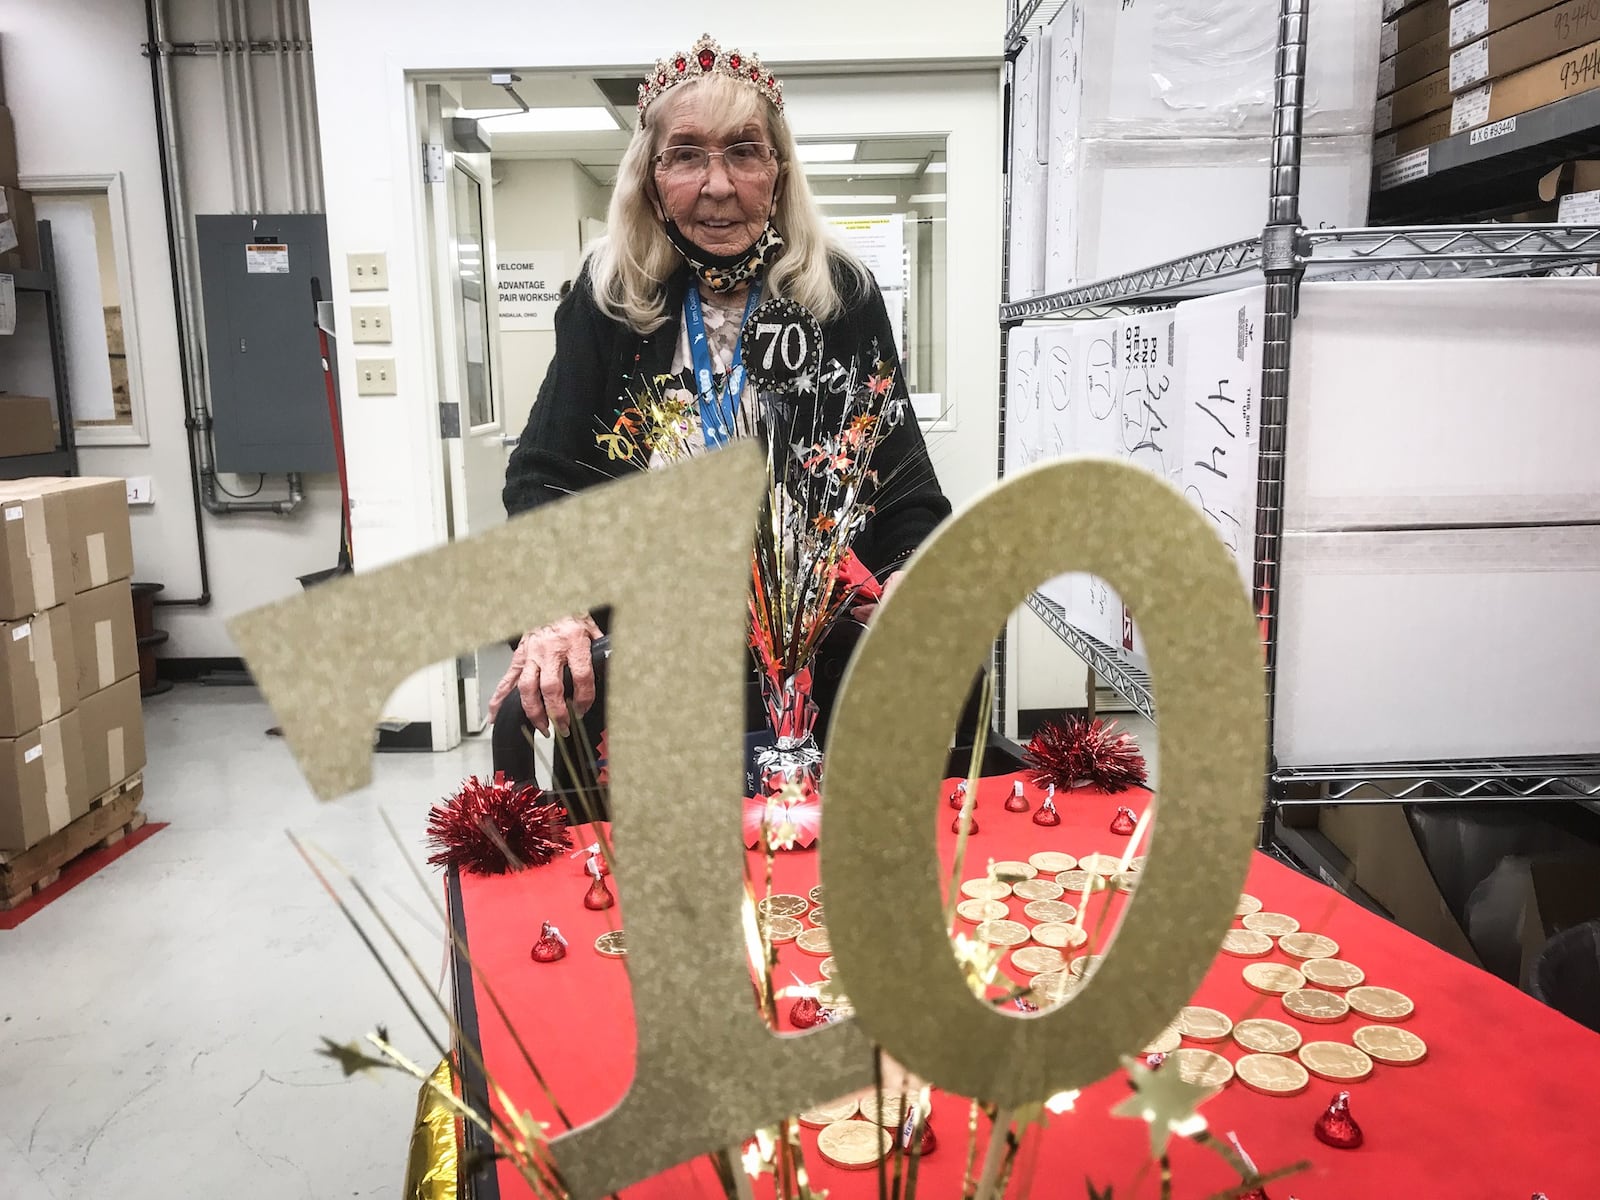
pixel 158 1023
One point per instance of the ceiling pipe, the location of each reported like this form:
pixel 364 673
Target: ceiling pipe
pixel 293 172
pixel 239 186
pixel 246 79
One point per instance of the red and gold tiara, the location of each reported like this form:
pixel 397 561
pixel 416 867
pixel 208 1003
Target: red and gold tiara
pixel 708 58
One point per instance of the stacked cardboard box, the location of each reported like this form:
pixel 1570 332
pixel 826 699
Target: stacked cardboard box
pixel 71 728
pixel 27 425
pixel 19 232
pixel 1144 132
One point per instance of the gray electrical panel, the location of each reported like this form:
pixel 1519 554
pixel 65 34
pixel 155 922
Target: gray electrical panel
pixel 269 405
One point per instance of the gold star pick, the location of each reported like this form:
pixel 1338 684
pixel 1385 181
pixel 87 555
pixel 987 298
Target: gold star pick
pixel 1166 1100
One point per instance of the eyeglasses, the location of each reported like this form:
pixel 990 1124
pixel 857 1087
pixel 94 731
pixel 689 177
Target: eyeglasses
pixel 744 159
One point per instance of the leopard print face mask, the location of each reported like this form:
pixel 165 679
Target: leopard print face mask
pixel 726 272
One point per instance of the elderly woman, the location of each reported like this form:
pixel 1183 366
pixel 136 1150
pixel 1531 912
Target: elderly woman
pixel 711 213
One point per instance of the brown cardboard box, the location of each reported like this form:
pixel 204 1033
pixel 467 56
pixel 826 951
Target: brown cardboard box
pixel 1579 175
pixel 8 149
pixel 100 542
pixel 1502 99
pixel 35 552
pixel 1416 24
pixel 19 231
pixel 1414 62
pixel 41 783
pixel 1435 127
pixel 1575 23
pixel 111 737
pixel 38 670
pixel 1413 102
pixel 103 641
pixel 1473 19
pixel 1389 867
pixel 27 425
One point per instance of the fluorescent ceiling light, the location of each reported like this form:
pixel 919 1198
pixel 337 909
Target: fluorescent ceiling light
pixel 929 198
pixel 890 201
pixel 827 151
pixel 866 168
pixel 544 120
pixel 937 168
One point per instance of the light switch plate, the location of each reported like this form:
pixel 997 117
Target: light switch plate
pixel 370 323
pixel 139 491
pixel 369 272
pixel 375 377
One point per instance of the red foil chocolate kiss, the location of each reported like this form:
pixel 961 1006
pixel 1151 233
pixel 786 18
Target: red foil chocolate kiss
pixel 599 895
pixel 1017 802
pixel 1337 1127
pixel 551 946
pixel 1124 822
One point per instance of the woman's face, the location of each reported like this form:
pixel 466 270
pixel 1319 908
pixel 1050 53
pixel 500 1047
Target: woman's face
pixel 719 212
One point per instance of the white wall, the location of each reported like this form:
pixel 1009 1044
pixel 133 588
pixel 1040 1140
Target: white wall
pixel 370 157
pixel 79 91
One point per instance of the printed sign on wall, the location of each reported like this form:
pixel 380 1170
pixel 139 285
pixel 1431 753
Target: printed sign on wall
pixel 530 287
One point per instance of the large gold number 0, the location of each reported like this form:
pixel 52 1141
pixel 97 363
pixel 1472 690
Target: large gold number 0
pixel 708 1070
pixel 899 703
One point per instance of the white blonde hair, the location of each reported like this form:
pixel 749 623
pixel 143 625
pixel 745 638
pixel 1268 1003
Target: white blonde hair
pixel 630 266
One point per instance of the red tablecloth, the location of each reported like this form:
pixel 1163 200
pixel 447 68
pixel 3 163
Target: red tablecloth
pixel 1504 1105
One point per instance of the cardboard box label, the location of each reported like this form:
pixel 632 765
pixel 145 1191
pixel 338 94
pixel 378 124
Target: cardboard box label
pixel 1470 108
pixel 1390 7
pixel 1389 40
pixel 1468 21
pixel 1580 208
pixel 1386 77
pixel 20 632
pixel 1469 65
pixel 8 236
pixel 1383 114
pixel 29 755
pixel 14 512
pixel 1406 169
pixel 1489 132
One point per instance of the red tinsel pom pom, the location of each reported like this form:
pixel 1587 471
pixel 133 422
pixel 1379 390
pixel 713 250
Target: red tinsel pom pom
pixel 599 895
pixel 473 829
pixel 806 1012
pixel 1337 1127
pixel 1077 749
pixel 1124 822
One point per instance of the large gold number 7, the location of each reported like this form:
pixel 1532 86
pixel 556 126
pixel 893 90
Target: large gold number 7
pixel 708 1069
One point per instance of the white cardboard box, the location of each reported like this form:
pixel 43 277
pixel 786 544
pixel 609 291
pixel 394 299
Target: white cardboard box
pixel 1027 173
pixel 1437 644
pixel 1187 68
pixel 1466 402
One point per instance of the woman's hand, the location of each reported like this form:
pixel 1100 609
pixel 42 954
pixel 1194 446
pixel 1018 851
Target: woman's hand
pixel 863 612
pixel 536 669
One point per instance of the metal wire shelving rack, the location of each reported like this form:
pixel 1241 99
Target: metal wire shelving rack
pixel 1285 255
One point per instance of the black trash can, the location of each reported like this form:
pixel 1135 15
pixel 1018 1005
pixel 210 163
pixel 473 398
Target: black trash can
pixel 1566 975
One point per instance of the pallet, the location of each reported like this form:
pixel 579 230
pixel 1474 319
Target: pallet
pixel 111 817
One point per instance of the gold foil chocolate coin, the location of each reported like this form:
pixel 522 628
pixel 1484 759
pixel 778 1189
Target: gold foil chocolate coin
pixel 1049 910
pixel 1273 978
pixel 1002 933
pixel 1246 943
pixel 816 894
pixel 1053 987
pixel 1051 861
pixel 826 968
pixel 1386 1044
pixel 1076 881
pixel 814 942
pixel 1380 1003
pixel 1125 881
pixel 1164 1042
pixel 1332 973
pixel 779 930
pixel 1059 935
pixel 853 1145
pixel 1084 967
pixel 1012 872
pixel 1202 1068
pixel 826 1114
pixel 1272 1074
pixel 1247 905
pixel 782 906
pixel 1335 1062
pixel 985 889
pixel 815 917
pixel 893 1109
pixel 1203 1024
pixel 612 944
pixel 1101 864
pixel 1320 1008
pixel 1037 960
pixel 1271 924
pixel 1037 889
pixel 1263 1035
pixel 1308 945
pixel 976 911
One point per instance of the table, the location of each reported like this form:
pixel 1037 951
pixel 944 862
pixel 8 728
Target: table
pixel 1503 1106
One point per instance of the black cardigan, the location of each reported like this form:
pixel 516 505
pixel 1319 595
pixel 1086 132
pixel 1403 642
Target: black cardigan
pixel 598 359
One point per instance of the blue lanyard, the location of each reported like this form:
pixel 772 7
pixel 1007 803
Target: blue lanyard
pixel 717 409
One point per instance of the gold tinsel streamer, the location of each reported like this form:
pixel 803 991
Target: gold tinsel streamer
pixel 431 1168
